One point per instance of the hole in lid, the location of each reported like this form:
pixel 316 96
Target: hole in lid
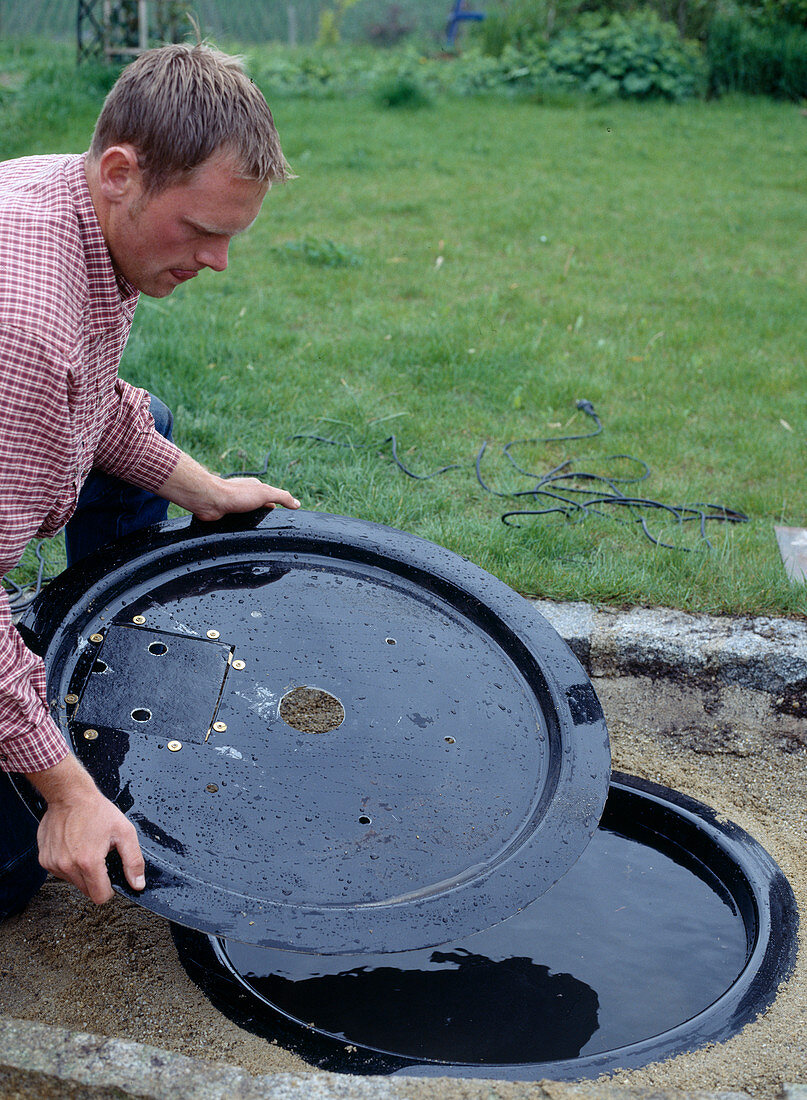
pixel 158 648
pixel 449 740
pixel 390 641
pixel 141 714
pixel 311 710
pixel 365 820
pixel 100 666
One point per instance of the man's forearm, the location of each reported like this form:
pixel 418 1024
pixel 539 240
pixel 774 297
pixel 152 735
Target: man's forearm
pixel 65 780
pixel 210 497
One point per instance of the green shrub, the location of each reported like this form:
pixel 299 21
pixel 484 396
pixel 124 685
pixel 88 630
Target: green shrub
pixel 319 252
pixel 402 91
pixel 744 56
pixel 329 30
pixel 635 56
pixel 521 22
pixel 518 23
pixel 793 12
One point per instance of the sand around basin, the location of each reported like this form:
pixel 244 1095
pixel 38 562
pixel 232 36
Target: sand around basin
pixel 114 970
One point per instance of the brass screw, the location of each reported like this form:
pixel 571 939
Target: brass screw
pixel 90 735
pixel 139 619
pixel 212 787
pixel 70 699
pixel 97 638
pixel 239 664
pixel 174 746
pixel 213 634
pixel 219 727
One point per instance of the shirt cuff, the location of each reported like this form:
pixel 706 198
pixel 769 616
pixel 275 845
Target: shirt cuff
pixel 131 448
pixel 152 469
pixel 40 748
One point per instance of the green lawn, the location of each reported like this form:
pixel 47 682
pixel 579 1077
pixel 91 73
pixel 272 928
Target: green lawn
pixel 466 273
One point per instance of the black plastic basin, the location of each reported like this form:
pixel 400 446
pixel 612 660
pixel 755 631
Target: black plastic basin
pixel 672 930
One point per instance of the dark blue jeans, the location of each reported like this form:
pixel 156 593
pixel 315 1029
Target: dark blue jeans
pixel 107 509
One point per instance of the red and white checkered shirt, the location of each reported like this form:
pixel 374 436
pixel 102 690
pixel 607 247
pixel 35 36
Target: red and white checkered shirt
pixel 64 322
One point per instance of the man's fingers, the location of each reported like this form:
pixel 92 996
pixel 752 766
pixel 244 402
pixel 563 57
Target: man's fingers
pixel 80 828
pixel 134 866
pixel 92 880
pixel 77 879
pixel 287 500
pixel 236 494
pixel 96 884
pixel 279 496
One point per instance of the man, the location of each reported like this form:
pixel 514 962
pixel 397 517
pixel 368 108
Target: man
pixel 183 154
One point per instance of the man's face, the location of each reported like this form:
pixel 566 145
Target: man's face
pixel 162 240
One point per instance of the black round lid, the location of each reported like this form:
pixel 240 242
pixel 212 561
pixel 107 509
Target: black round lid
pixel 332 736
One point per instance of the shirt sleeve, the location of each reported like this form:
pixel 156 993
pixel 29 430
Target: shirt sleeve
pixel 131 448
pixel 34 437
pixel 30 741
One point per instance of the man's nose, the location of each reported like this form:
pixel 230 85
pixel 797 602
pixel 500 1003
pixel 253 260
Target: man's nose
pixel 213 254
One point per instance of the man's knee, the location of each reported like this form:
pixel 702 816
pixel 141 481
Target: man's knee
pixel 20 873
pixel 163 417
pixel 19 883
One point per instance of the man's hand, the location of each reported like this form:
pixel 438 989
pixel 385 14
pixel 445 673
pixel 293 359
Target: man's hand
pixel 210 497
pixel 244 494
pixel 79 830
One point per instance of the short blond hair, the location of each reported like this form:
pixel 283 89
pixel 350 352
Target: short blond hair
pixel 178 105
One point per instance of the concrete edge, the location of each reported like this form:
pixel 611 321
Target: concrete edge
pixel 716 684
pixel 755 652
pixel 45 1062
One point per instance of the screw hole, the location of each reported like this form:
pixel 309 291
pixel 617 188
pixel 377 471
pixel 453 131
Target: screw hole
pixel 449 740
pixel 390 641
pixel 100 666
pixel 141 714
pixel 365 820
pixel 158 648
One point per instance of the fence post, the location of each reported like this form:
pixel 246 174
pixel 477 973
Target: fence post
pixel 143 20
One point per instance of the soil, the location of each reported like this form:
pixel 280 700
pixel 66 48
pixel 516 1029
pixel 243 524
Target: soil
pixel 114 970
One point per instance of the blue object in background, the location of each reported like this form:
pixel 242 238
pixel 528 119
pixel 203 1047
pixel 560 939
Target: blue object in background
pixel 458 15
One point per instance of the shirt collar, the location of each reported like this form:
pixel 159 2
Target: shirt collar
pixel 107 289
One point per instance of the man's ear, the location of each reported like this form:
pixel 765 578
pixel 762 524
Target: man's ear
pixel 119 176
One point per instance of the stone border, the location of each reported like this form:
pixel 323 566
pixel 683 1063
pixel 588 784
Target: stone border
pixel 38 1062
pixel 693 674
pixel 764 654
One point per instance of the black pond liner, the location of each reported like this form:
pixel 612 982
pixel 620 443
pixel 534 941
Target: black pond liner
pixel 674 929
pixel 330 734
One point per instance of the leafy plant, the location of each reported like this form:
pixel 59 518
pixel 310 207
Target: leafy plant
pixel 776 12
pixel 521 23
pixel 402 91
pixel 745 56
pixel 330 21
pixel 636 56
pixel 319 252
